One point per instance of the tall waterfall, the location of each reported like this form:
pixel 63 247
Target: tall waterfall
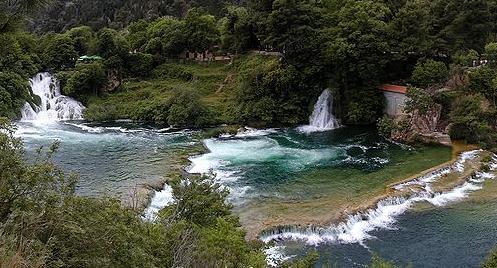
pixel 54 106
pixel 322 118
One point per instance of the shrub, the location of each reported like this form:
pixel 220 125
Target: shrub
pixel 363 106
pixel 469 122
pixel 270 93
pixel 14 92
pixel 86 79
pixel 43 223
pixel 386 126
pixel 139 64
pixel 102 112
pixel 59 53
pixel 428 73
pixel 418 99
pixel 466 58
pixel 491 53
pixel 186 110
pixel 481 81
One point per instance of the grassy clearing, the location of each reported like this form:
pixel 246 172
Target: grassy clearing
pixel 213 82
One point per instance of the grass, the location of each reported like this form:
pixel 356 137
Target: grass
pixel 214 83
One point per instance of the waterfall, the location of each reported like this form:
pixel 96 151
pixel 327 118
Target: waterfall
pixel 54 106
pixel 322 118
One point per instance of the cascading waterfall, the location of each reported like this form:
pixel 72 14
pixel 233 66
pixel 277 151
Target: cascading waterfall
pixel 54 106
pixel 358 226
pixel 322 118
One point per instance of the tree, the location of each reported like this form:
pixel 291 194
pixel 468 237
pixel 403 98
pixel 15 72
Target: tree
pixel 113 48
pixel 491 53
pixel 166 37
pixel 12 13
pixel 428 73
pixel 14 92
pixel 42 222
pixel 238 30
pixel 466 58
pixel 59 53
pixel 84 39
pixel 86 79
pixel 17 55
pixel 481 81
pixel 201 30
pixel 137 35
pixel 468 121
pixel 270 93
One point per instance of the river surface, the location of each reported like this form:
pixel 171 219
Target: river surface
pixel 279 177
pixel 111 159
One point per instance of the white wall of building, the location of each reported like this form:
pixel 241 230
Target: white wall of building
pixel 395 103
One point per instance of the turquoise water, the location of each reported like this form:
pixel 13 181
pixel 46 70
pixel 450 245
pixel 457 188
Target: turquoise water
pixel 458 235
pixel 265 164
pixel 272 170
pixel 111 159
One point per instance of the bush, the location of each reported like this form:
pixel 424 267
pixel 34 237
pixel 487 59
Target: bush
pixel 86 79
pixel 363 106
pixel 102 112
pixel 43 223
pixel 466 58
pixel 385 126
pixel 469 122
pixel 139 64
pixel 481 81
pixel 186 110
pixel 428 73
pixel 14 92
pixel 270 93
pixel 59 53
pixel 418 99
pixel 491 53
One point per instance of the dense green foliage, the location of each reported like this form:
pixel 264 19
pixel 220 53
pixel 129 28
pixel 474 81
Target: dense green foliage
pixel 349 46
pixel 428 73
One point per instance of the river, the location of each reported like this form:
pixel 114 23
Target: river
pixel 299 189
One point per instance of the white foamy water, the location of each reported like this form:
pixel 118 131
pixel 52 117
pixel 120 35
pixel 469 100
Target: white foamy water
pixel 228 158
pixel 54 106
pixel 159 201
pixel 358 227
pixel 275 256
pixel 322 118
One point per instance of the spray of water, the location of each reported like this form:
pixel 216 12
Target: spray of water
pixel 54 106
pixel 322 118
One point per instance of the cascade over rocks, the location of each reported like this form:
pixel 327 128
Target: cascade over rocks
pixel 322 118
pixel 54 106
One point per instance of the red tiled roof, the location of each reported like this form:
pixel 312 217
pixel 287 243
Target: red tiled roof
pixel 394 88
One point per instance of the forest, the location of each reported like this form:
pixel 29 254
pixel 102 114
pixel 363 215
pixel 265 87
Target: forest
pixel 278 56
